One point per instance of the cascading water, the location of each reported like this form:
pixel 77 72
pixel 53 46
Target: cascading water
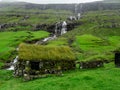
pixel 64 28
pixel 76 8
pixel 13 63
pixel 50 37
pixel 55 34
pixel 56 29
pixel 60 29
pixel 78 16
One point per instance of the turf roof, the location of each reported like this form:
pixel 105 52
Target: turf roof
pixel 39 52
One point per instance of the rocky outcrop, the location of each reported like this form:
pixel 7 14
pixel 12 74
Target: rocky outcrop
pixel 40 27
pixel 51 27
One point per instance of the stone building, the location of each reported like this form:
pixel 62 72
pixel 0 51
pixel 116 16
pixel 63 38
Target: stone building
pixel 38 61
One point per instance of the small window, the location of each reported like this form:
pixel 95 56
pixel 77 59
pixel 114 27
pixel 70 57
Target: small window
pixel 35 65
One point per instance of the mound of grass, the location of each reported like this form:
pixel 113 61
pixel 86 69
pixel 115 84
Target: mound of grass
pixel 38 52
pixel 90 43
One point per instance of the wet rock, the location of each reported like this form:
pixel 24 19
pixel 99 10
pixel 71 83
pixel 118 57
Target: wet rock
pixel 27 77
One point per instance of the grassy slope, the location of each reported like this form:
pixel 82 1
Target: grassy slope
pixel 106 78
pixel 45 17
pixel 10 40
pixel 93 48
pixel 85 36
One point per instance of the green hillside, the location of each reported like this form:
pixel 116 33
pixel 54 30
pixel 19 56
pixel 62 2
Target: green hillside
pixel 11 40
pixel 96 37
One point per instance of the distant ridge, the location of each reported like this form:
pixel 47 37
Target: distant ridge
pixel 111 1
pixel 9 1
pixel 93 6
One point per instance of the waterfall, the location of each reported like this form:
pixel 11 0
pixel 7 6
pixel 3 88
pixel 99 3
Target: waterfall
pixel 56 26
pixel 64 28
pixel 49 38
pixel 60 29
pixel 78 16
pixel 76 8
pixel 13 63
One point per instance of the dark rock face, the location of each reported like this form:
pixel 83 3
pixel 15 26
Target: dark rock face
pixel 72 25
pixel 7 25
pixel 51 27
pixel 47 27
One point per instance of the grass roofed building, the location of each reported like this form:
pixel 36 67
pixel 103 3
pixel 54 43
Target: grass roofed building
pixel 39 60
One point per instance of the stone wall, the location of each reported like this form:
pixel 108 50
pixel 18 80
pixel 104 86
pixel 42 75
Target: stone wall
pixel 90 64
pixel 34 69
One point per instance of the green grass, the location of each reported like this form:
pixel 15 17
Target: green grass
pixel 58 42
pixel 92 48
pixel 10 40
pixel 106 78
pixel 96 38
